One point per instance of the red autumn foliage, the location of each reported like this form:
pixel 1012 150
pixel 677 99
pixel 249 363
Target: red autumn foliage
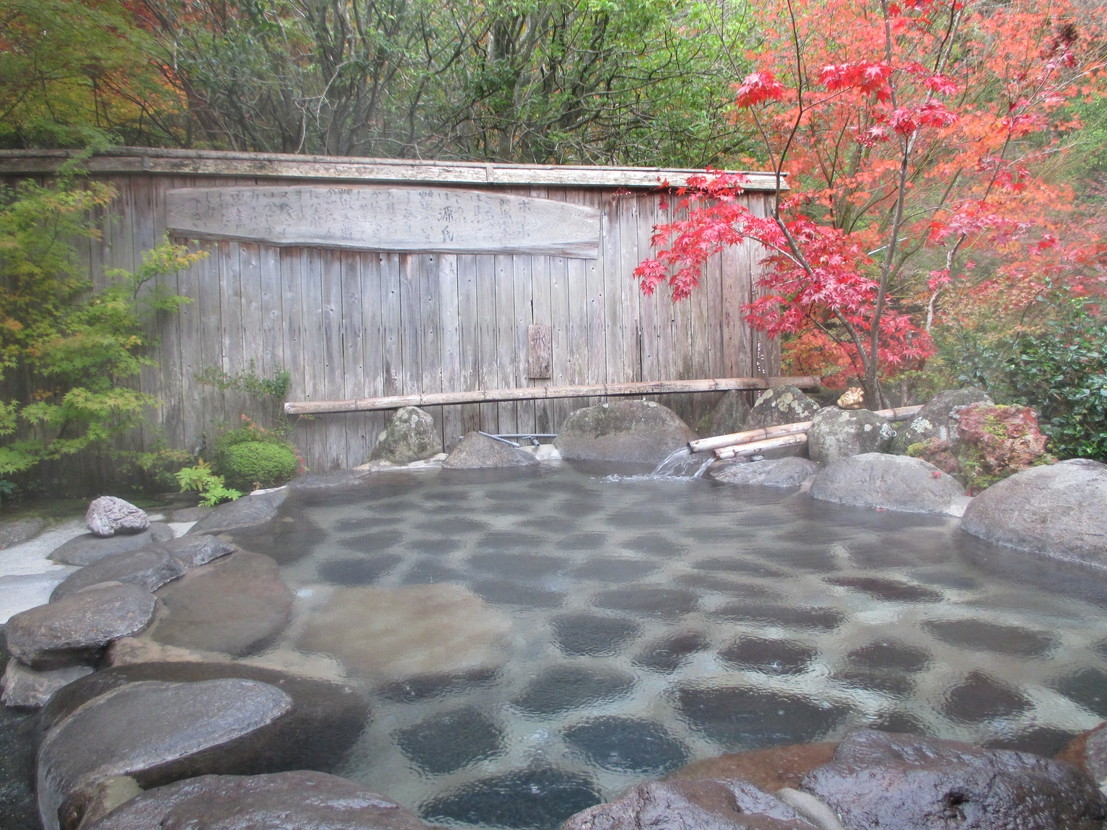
pixel 920 139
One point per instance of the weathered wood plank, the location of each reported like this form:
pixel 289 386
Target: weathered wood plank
pixel 205 163
pixel 601 390
pixel 386 219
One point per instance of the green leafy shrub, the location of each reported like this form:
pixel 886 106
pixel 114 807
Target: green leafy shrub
pixel 1058 366
pixel 259 464
pixel 211 487
pixel 70 355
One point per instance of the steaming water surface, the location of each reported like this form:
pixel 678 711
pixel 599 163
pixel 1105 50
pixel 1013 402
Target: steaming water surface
pixel 536 642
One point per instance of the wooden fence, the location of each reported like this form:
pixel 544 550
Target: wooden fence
pixel 366 278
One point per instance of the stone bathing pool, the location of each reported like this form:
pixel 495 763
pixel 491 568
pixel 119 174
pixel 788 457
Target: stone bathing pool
pixel 533 642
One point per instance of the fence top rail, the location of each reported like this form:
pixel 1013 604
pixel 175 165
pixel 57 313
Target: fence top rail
pixel 367 170
pixel 659 387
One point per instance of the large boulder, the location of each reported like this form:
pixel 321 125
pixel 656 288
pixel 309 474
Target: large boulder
pixel 237 605
pixel 937 420
pixel 88 548
pixel 26 688
pixel 691 804
pixel 727 416
pixel 301 799
pixel 1055 510
pixel 325 719
pixel 411 435
pixel 839 433
pixel 141 730
pixel 248 511
pixel 476 451
pixel 776 472
pixel 888 482
pixel 389 634
pixel 781 405
pixel 75 630
pixel 906 782
pixel 148 568
pixel 624 431
pixel 109 515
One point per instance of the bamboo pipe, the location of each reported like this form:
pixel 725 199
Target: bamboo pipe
pixel 544 392
pixel 742 438
pixel 754 447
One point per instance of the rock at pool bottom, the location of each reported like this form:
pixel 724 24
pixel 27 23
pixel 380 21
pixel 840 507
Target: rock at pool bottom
pixel 387 634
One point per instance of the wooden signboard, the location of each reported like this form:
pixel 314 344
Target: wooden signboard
pixel 387 219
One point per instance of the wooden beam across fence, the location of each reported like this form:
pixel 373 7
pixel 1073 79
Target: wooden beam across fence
pixel 530 393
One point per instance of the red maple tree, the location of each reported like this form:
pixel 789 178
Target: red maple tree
pixel 921 139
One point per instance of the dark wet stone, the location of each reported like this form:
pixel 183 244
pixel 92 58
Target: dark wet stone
pixel 507 592
pixel 738 565
pixel 642 518
pixel 300 799
pixel 145 730
pixel 355 524
pixel 907 782
pixel 713 535
pixel 732 586
pixel 591 635
pixel 237 605
pixel 630 744
pixel 551 524
pixel 807 617
pixel 592 540
pixel 87 548
pixel 18 809
pixel 434 545
pixel 890 655
pixel 435 686
pixel 192 551
pixel 428 572
pixel 448 741
pixel 615 569
pixel 76 629
pixel 579 507
pixel 980 697
pixel 517 565
pixel 1040 740
pixel 890 590
pixel 670 653
pixel 286 540
pixel 149 568
pixel 532 799
pixel 988 636
pixel 27 688
pixel 700 804
pixel 564 688
pixel 944 579
pixel 479 452
pixel 891 683
pixel 769 656
pixel 814 558
pixel 248 511
pixel 372 542
pixel 364 570
pixel 452 525
pixel 656 545
pixel 1087 687
pixel 739 718
pixel 662 603
pixel 509 541
pixel 900 722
